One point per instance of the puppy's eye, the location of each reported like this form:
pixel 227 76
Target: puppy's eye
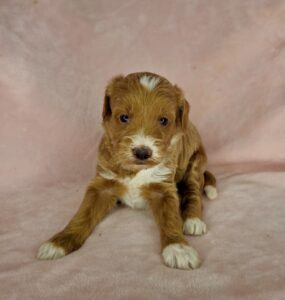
pixel 124 118
pixel 163 121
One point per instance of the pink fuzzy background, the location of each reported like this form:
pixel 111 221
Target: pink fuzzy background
pixel 55 60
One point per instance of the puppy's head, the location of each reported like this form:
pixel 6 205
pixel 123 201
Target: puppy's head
pixel 143 117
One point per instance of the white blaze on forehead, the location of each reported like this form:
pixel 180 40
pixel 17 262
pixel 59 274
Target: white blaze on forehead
pixel 149 82
pixel 144 140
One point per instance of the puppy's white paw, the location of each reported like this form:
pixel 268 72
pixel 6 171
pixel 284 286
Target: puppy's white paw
pixel 211 192
pixel 180 256
pixel 194 226
pixel 50 251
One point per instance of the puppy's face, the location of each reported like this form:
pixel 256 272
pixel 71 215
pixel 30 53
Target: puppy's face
pixel 143 117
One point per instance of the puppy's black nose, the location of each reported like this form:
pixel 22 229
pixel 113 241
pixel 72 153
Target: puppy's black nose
pixel 142 153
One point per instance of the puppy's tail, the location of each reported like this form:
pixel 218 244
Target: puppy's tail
pixel 210 185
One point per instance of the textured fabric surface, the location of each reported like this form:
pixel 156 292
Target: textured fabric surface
pixel 55 60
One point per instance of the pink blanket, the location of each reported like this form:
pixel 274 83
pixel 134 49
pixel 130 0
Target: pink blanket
pixel 55 59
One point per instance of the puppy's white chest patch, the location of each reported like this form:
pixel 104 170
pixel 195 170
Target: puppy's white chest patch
pixel 133 196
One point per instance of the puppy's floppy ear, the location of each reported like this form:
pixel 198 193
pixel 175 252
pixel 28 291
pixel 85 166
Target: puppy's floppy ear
pixel 109 91
pixel 182 114
pixel 107 112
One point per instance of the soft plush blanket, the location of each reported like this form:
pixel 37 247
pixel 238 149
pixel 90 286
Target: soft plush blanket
pixel 55 60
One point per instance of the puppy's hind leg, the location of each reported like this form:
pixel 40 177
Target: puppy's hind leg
pixel 100 198
pixel 210 185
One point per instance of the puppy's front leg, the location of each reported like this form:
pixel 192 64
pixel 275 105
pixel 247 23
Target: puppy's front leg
pixel 100 198
pixel 164 203
pixel 191 193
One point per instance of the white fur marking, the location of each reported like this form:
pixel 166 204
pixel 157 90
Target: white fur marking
pixel 194 226
pixel 50 251
pixel 147 141
pixel 149 82
pixel 133 197
pixel 175 140
pixel 107 174
pixel 180 256
pixel 211 192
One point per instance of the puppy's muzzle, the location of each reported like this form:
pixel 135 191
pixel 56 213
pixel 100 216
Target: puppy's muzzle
pixel 142 153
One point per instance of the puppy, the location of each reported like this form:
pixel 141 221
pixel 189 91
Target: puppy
pixel 150 156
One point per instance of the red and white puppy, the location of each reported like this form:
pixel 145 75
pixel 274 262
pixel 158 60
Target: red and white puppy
pixel 151 156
